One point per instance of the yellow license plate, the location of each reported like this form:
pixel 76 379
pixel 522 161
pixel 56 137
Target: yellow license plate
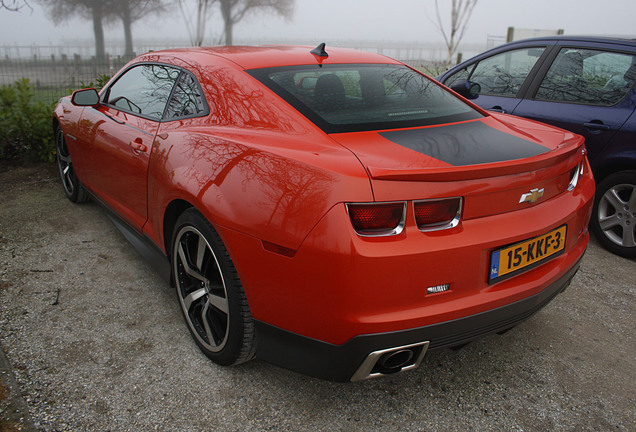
pixel 512 259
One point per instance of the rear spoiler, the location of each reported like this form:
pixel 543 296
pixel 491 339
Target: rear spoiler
pixel 573 149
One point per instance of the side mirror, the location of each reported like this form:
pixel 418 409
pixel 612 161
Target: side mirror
pixel 466 88
pixel 86 97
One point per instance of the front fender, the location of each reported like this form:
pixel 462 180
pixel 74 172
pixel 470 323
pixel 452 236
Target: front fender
pixel 610 162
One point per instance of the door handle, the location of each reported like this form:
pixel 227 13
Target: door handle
pixel 596 126
pixel 138 146
pixel 498 109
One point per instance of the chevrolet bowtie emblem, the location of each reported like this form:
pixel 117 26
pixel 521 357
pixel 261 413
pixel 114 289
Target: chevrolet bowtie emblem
pixel 531 197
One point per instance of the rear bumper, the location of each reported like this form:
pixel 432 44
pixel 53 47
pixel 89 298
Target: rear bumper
pixel 342 362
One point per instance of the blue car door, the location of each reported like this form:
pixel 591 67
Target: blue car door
pixel 587 91
pixel 501 77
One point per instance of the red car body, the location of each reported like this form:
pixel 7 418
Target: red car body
pixel 325 299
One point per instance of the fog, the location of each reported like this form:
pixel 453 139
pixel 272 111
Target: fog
pixel 336 20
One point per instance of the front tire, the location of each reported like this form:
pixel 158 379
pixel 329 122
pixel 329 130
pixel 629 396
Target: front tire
pixel 210 293
pixel 614 215
pixel 72 185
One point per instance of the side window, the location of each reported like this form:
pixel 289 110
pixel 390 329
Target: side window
pixel 187 99
pixel 143 90
pixel 462 74
pixel 589 77
pixel 504 73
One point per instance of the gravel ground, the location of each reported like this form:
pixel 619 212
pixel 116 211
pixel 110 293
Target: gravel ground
pixel 95 341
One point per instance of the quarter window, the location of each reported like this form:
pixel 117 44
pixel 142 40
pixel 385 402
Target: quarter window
pixel 462 74
pixel 187 99
pixel 504 73
pixel 143 90
pixel 589 77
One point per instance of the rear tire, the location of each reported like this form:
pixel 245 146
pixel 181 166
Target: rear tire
pixel 614 214
pixel 72 185
pixel 210 293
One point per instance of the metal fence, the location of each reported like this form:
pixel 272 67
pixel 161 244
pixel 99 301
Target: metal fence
pixel 56 76
pixel 55 69
pixel 57 72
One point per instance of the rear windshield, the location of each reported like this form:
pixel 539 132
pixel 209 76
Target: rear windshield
pixel 347 98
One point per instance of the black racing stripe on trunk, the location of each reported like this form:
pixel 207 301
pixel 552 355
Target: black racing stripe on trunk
pixel 465 143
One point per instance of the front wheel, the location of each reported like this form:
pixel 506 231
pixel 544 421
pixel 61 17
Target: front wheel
pixel 212 299
pixel 72 186
pixel 614 215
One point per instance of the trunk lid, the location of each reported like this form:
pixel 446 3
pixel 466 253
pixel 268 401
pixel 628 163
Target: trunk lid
pixel 491 162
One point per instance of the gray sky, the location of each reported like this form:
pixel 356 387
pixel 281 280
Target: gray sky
pixel 333 20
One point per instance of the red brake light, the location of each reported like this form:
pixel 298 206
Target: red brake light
pixel 437 214
pixel 377 219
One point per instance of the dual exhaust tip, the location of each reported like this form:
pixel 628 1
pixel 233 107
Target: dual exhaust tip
pixel 391 360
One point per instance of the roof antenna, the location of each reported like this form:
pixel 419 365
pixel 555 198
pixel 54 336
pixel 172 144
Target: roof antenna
pixel 320 51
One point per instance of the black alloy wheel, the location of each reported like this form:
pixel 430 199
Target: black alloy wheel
pixel 212 299
pixel 72 186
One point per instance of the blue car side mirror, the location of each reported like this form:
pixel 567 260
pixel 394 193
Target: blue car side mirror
pixel 466 88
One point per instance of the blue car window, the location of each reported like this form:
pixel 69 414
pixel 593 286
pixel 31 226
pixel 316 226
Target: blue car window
pixel 461 74
pixel 504 73
pixel 590 77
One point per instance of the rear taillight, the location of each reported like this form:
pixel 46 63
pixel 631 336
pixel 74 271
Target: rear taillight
pixel 574 176
pixel 431 215
pixel 377 219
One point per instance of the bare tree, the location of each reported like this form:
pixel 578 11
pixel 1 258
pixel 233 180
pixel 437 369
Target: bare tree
pixel 14 5
pixel 130 11
pixel 196 19
pixel 101 11
pixel 234 10
pixel 96 10
pixel 461 10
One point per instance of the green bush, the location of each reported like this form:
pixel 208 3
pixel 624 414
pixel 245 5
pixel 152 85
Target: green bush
pixel 25 124
pixel 25 121
pixel 99 83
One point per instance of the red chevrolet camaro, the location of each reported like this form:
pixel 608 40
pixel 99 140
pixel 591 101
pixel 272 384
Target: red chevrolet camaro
pixel 331 211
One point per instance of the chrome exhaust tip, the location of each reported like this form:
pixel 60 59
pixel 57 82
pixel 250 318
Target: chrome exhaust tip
pixel 391 360
pixel 394 361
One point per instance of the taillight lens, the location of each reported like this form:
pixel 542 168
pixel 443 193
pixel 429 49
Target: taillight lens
pixel 377 219
pixel 433 215
pixel 574 176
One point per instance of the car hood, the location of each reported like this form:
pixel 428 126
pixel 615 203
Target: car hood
pixel 496 145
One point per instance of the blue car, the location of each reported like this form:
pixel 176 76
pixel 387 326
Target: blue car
pixel 582 84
